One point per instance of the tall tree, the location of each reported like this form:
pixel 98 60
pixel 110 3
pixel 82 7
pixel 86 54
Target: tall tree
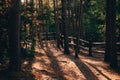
pixel 110 51
pixel 14 28
pixel 64 24
pixel 55 2
pixel 79 29
pixel 32 27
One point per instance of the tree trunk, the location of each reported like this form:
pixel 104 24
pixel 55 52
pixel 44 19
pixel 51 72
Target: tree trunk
pixel 110 51
pixel 64 25
pixel 32 28
pixel 14 40
pixel 56 23
pixel 77 50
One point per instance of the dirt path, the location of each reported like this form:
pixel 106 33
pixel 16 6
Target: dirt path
pixel 51 64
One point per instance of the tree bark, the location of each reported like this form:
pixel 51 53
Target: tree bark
pixel 78 35
pixel 14 39
pixel 110 50
pixel 56 23
pixel 64 25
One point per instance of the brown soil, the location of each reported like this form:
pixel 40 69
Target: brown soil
pixel 50 63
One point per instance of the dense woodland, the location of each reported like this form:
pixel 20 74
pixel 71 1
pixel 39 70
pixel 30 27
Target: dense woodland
pixel 26 24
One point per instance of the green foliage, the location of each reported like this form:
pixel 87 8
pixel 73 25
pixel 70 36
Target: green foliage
pixel 31 20
pixel 94 20
pixel 28 28
pixel 118 20
pixel 47 16
pixel 52 28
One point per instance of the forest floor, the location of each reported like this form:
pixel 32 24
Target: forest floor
pixel 50 63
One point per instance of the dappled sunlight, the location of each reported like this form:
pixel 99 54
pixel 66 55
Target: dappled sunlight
pixel 25 63
pixel 70 68
pixel 100 74
pixel 50 63
pixel 99 68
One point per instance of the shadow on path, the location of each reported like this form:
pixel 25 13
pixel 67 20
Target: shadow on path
pixel 99 71
pixel 55 65
pixel 25 74
pixel 89 75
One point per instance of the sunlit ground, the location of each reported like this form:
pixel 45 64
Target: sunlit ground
pixel 50 63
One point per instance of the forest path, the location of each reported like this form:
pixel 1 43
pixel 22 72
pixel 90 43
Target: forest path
pixel 50 63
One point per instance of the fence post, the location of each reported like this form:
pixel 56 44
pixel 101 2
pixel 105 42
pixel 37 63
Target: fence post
pixel 90 48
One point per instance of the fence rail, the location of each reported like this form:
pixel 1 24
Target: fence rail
pixel 84 44
pixel 88 45
pixel 48 35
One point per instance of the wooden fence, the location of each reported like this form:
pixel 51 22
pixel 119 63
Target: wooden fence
pixel 84 44
pixel 88 45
